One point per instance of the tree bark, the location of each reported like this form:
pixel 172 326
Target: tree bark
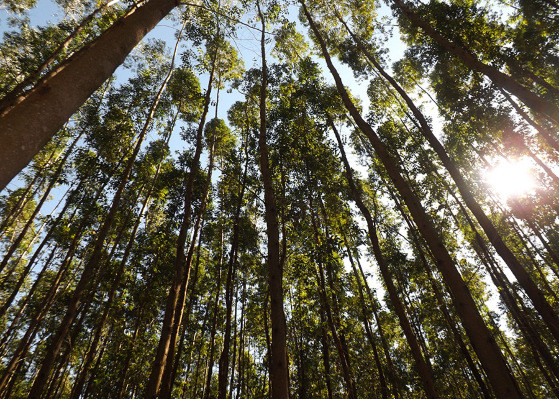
pixel 30 123
pixel 278 366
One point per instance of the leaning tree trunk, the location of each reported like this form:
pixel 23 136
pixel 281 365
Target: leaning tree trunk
pixel 91 266
pixel 11 98
pixel 30 123
pixel 482 340
pixel 396 385
pixel 440 298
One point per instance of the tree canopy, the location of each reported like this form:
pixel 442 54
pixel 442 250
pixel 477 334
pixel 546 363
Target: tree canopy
pixel 283 199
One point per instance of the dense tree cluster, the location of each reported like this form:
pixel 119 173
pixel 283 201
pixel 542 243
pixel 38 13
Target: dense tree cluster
pixel 196 227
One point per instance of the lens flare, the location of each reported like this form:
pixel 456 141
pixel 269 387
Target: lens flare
pixel 511 178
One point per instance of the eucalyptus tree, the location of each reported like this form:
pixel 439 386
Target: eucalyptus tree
pixel 512 261
pixel 235 177
pixel 526 95
pixel 238 266
pixel 38 114
pixel 91 265
pixel 278 357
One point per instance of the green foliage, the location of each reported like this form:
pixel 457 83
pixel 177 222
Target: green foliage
pixel 337 306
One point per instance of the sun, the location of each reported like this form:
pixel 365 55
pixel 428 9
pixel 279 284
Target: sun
pixel 511 178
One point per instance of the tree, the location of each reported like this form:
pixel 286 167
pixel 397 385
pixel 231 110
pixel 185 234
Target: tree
pixel 61 92
pixel 190 228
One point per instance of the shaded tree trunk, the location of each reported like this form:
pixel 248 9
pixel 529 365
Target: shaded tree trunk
pixel 278 366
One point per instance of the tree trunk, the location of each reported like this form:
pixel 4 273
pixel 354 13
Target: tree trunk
pixel 440 299
pixel 423 367
pixel 531 289
pixel 366 324
pixel 229 288
pixel 209 372
pixel 12 97
pixel 32 330
pixel 181 268
pixel 391 368
pixel 92 264
pixel 29 124
pixel 278 366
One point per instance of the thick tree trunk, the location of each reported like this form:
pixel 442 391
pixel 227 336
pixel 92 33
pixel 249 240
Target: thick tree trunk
pixel 503 382
pixel 12 97
pixel 29 124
